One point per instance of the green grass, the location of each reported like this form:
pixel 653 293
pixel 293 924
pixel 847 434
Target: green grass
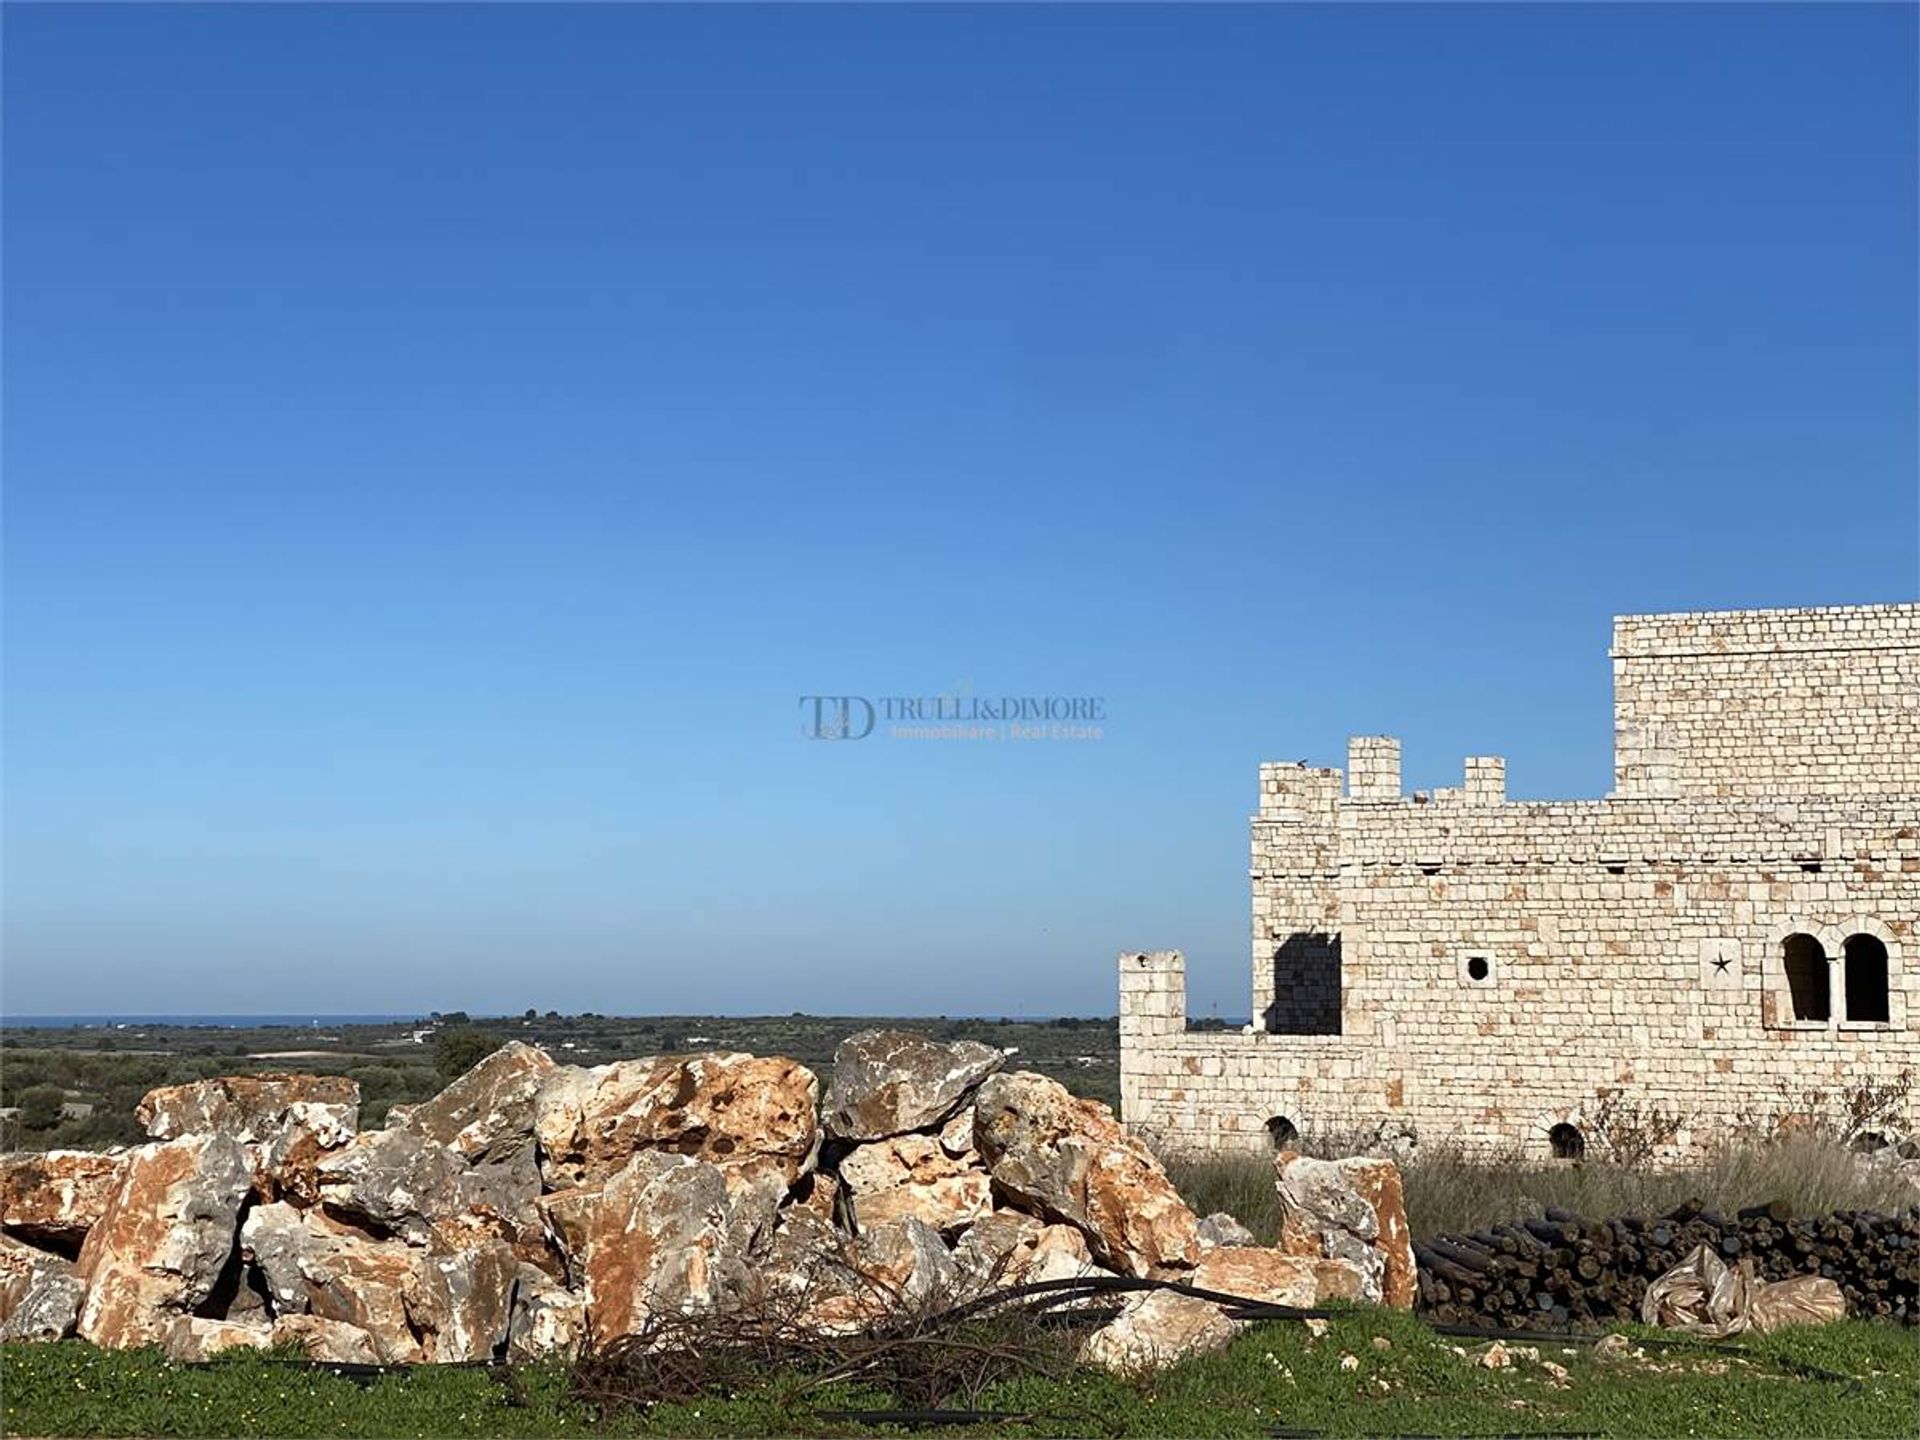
pixel 1274 1375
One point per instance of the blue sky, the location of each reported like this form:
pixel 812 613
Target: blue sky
pixel 443 445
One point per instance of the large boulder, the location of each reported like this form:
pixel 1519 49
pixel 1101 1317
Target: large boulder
pixel 1253 1273
pixel 487 1114
pixel 548 1320
pixel 890 1082
pixel 913 1175
pixel 287 1122
pixel 462 1302
pixel 726 1109
pixel 402 1183
pixel 1071 1159
pixel 330 1342
pixel 665 1234
pixel 193 1339
pixel 166 1236
pixel 311 1264
pixel 1349 1210
pixel 1220 1228
pixel 1010 1248
pixel 1155 1329
pixel 55 1197
pixel 40 1293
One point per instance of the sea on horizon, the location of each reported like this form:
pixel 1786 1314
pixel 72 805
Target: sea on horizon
pixel 304 1020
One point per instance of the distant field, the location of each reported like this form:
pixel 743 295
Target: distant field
pixel 77 1086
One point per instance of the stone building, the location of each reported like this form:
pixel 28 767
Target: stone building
pixel 1727 940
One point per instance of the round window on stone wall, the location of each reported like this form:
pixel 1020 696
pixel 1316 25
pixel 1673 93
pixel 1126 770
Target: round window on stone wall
pixel 1478 968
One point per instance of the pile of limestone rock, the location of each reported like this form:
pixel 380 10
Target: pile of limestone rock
pixel 532 1208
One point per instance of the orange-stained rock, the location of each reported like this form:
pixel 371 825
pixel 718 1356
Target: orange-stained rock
pixel 167 1233
pixel 367 1284
pixel 1349 1210
pixel 913 1175
pixel 462 1300
pixel 663 1233
pixel 487 1114
pixel 287 1122
pixel 728 1109
pixel 40 1293
pixel 332 1342
pixel 1254 1273
pixel 54 1198
pixel 888 1082
pixel 311 1264
pixel 1155 1329
pixel 1071 1158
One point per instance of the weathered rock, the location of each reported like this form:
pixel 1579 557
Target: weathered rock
pixel 312 1264
pixel 1221 1228
pixel 549 1321
pixel 1009 1248
pixel 1257 1274
pixel 395 1180
pixel 487 1114
pixel 1155 1329
pixel 367 1284
pixel 904 1264
pixel 54 1198
pixel 189 1339
pixel 995 1247
pixel 956 1136
pixel 273 1239
pixel 462 1302
pixel 331 1342
pixel 664 1233
pixel 252 1108
pixel 727 1109
pixel 1072 1159
pixel 402 1182
pixel 287 1122
pixel 165 1237
pixel 1349 1210
pixel 912 1175
pixel 801 1257
pixel 40 1293
pixel 890 1082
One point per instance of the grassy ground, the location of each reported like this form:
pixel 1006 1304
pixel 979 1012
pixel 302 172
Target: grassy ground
pixel 1447 1192
pixel 1370 1374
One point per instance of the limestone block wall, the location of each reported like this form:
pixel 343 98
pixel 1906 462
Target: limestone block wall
pixel 1457 964
pixel 1758 702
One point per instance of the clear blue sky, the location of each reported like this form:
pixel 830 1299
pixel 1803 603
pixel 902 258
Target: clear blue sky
pixel 443 445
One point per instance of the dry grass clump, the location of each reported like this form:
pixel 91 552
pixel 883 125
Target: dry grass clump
pixel 1449 1190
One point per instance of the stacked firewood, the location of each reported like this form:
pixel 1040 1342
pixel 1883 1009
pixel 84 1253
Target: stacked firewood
pixel 1568 1270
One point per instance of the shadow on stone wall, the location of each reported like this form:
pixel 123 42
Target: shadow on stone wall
pixel 1306 985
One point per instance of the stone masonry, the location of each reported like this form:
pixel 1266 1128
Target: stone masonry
pixel 1727 941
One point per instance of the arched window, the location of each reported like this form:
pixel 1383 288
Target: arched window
pixel 1866 979
pixel 1567 1142
pixel 1283 1131
pixel 1805 961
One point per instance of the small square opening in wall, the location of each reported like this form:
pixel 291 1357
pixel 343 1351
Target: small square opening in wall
pixel 1476 968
